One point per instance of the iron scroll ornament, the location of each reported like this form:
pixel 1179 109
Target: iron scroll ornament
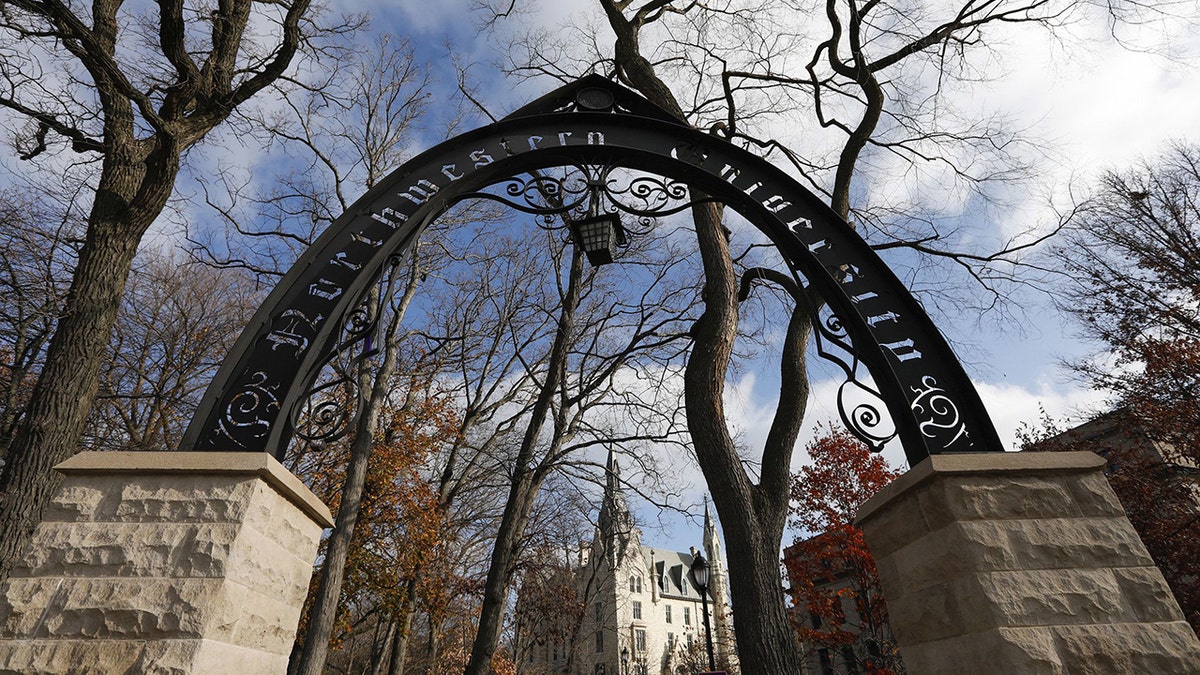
pixel 933 403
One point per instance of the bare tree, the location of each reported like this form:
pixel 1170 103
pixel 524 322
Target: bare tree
pixel 732 68
pixel 35 260
pixel 176 323
pixel 132 95
pixel 566 335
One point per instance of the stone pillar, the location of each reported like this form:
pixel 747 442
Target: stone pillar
pixel 1021 563
pixel 164 562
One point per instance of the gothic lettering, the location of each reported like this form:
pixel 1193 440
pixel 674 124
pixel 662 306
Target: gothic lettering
pixel 289 335
pixel 562 137
pixel 363 239
pixel 595 138
pixel 798 223
pixel 339 258
pixel 903 350
pixel 775 203
pixel 481 158
pixel 325 289
pixel 880 318
pixel 421 192
pixel 448 172
pixel 533 141
pixel 390 217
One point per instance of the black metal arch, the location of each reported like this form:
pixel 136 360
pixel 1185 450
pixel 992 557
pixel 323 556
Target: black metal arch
pixel 871 315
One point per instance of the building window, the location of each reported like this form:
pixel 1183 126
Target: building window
pixel 639 640
pixel 687 616
pixel 599 612
pixel 667 610
pixel 635 583
pixel 637 609
pixel 670 640
pixel 599 641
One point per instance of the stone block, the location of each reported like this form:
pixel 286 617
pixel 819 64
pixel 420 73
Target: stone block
pixel 118 608
pixel 271 515
pixel 1020 598
pixel 129 549
pixel 1128 649
pixel 1094 496
pixel 934 614
pixel 903 522
pixel 253 620
pixel 1146 596
pixel 1028 651
pixel 1025 564
pixel 982 497
pixel 164 563
pixel 156 657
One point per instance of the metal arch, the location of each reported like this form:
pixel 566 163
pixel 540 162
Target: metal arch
pixel 931 400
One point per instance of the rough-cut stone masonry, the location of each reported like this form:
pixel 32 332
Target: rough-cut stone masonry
pixel 164 563
pixel 1021 563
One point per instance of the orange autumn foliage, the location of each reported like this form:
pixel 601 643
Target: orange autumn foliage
pixel 400 519
pixel 835 590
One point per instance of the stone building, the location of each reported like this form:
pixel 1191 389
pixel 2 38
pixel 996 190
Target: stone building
pixel 637 610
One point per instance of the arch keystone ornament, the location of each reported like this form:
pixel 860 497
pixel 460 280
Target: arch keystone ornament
pixel 869 323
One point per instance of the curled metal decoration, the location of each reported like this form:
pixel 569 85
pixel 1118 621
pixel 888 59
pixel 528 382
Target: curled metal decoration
pixel 861 406
pixel 246 414
pixel 589 189
pixel 867 420
pixel 328 410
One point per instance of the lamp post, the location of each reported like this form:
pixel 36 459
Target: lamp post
pixel 624 660
pixel 700 576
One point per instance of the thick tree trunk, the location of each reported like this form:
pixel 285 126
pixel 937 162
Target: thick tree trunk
pixel 131 195
pixel 324 609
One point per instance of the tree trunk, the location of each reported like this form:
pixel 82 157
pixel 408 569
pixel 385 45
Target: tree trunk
pixel 131 195
pixel 404 626
pixel 526 482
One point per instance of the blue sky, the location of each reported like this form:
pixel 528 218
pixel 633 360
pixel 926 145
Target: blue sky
pixel 1089 103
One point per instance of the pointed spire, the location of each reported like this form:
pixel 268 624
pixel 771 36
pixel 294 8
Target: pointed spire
pixel 712 540
pixel 615 522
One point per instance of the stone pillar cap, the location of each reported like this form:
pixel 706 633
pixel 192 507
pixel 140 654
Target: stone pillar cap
pixel 258 464
pixel 981 463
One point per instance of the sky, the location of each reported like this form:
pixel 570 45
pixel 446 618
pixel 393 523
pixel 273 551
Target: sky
pixel 1091 104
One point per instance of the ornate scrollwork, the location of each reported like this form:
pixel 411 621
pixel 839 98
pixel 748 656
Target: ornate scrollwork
pixel 866 419
pixel 862 408
pixel 250 411
pixel 329 408
pixel 937 413
pixel 581 190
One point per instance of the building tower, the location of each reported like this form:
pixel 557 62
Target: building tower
pixel 723 643
pixel 641 611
